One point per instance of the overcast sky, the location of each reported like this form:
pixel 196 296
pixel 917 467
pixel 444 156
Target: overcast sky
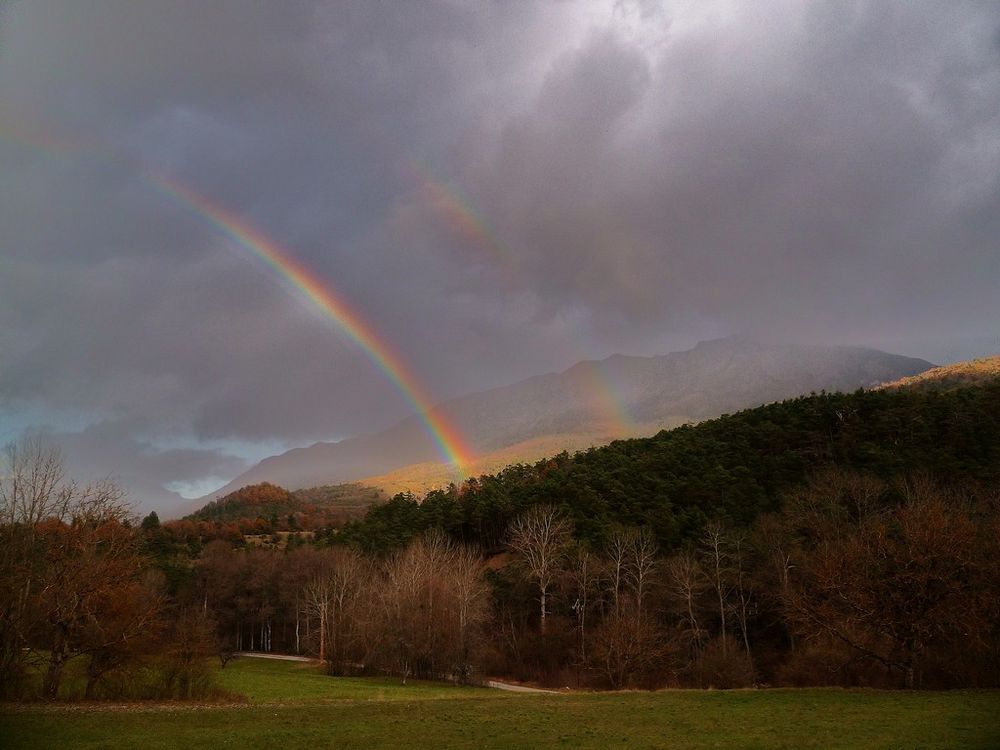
pixel 643 175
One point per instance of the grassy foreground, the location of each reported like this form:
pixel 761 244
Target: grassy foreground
pixel 292 706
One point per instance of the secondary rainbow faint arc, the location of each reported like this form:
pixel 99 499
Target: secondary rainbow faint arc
pixel 449 441
pixel 464 220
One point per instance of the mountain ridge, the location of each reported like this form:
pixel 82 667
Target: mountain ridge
pixel 605 396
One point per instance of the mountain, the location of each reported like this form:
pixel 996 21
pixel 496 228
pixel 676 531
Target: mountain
pixel 621 396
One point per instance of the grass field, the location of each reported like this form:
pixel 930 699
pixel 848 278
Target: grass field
pixel 292 705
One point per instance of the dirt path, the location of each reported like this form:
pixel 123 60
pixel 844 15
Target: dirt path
pixel 279 657
pixel 509 686
pixel 516 688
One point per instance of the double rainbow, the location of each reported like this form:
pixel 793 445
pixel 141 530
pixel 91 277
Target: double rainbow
pixel 456 212
pixel 449 441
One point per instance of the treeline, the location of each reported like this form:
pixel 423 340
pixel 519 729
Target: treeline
pixel 856 581
pixel 423 611
pixel 259 515
pixel 834 539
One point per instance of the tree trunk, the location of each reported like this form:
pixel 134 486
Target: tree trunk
pixel 322 634
pixel 92 679
pixel 911 669
pixel 53 676
pixel 722 613
pixel 97 667
pixel 544 590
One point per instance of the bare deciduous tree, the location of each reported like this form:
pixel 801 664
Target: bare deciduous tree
pixel 743 604
pixel 773 542
pixel 714 544
pixel 540 537
pixel 471 596
pixel 686 584
pixel 32 488
pixel 616 553
pixel 585 576
pixel 642 552
pixel 627 645
pixel 318 597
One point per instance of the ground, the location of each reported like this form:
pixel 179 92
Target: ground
pixel 292 705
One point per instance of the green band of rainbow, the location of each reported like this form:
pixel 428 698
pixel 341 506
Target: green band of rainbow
pixel 450 443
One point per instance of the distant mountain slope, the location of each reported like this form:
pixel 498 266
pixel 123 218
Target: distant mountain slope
pixel 973 372
pixel 609 398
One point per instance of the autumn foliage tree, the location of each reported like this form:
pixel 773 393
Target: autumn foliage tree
pixel 75 578
pixel 895 574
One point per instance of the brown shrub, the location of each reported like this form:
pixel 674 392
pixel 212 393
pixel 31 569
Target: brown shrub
pixel 723 664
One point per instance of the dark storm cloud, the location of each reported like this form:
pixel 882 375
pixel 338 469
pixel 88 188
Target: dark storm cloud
pixel 644 174
pixel 815 166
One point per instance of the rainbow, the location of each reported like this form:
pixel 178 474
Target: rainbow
pixel 461 217
pixel 605 401
pixel 449 441
pixel 451 444
pixel 36 136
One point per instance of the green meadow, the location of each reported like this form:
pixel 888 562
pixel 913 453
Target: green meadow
pixel 292 705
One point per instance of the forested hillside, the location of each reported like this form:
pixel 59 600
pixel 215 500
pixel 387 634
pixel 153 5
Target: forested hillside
pixel 282 510
pixel 731 468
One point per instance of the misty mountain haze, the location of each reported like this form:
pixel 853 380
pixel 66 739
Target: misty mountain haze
pixel 617 397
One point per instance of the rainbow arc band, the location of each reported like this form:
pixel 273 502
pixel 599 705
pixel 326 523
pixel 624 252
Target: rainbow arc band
pixel 447 437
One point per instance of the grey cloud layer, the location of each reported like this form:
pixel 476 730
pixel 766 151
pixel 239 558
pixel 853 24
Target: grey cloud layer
pixel 813 165
pixel 650 173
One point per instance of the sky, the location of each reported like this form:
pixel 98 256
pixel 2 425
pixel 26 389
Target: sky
pixel 493 189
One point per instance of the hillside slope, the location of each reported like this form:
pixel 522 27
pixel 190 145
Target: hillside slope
pixel 265 500
pixel 607 398
pixel 972 372
pixel 733 467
